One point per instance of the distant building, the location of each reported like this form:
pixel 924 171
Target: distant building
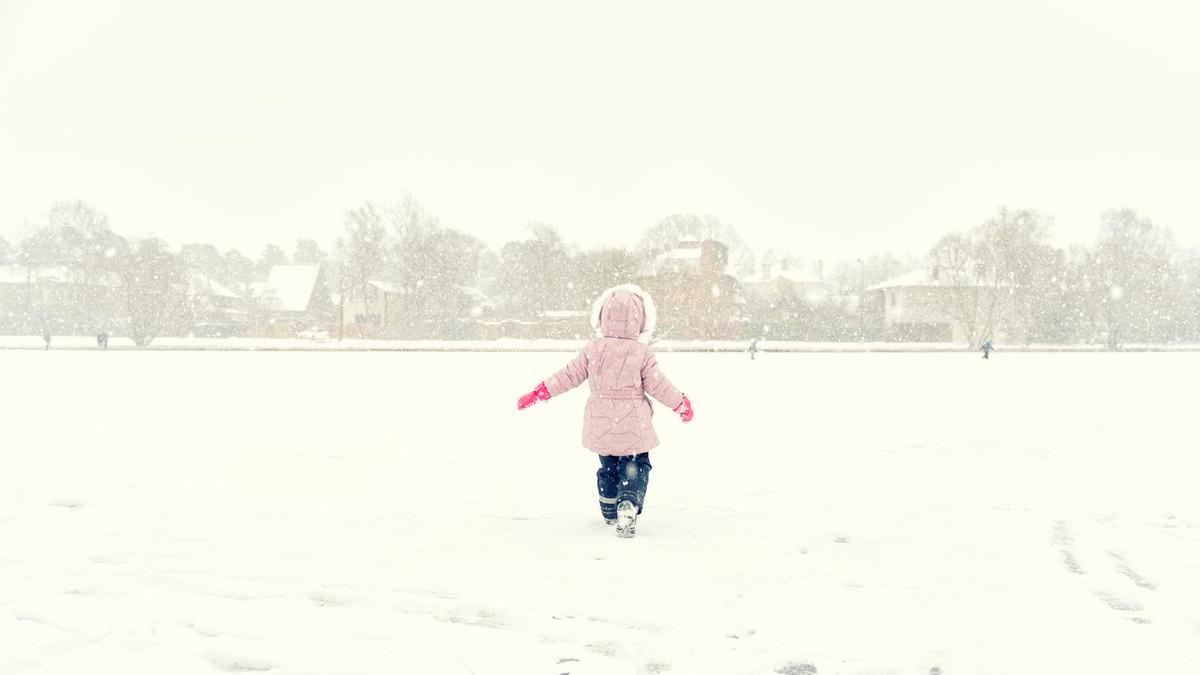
pixel 217 310
pixel 789 278
pixel 927 305
pixel 384 309
pixel 696 297
pixel 292 299
pixel 783 300
pixel 55 298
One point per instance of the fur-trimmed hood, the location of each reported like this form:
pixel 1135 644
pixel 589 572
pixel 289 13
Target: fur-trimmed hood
pixel 625 312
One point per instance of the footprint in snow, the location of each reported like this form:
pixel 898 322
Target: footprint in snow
pixel 796 668
pixel 238 664
pixel 1064 540
pixel 331 599
pixel 482 619
pixel 604 649
pixel 1118 603
pixel 1125 568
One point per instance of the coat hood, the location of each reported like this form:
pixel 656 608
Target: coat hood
pixel 625 312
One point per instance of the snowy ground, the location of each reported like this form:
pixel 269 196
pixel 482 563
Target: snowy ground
pixel 191 512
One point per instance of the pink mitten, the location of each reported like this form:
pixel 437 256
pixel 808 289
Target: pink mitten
pixel 685 409
pixel 540 393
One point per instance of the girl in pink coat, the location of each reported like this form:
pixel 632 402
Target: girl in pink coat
pixel 620 370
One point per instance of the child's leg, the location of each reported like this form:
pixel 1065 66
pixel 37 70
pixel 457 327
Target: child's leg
pixel 606 484
pixel 635 478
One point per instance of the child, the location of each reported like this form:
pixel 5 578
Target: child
pixel 617 425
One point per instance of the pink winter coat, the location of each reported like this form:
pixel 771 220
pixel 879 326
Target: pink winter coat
pixel 620 370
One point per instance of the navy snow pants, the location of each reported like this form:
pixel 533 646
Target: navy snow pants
pixel 621 478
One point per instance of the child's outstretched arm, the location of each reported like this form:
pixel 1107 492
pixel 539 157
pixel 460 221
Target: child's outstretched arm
pixel 657 385
pixel 572 375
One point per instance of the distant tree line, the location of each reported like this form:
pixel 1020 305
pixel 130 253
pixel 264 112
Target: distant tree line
pixel 70 272
pixel 1134 284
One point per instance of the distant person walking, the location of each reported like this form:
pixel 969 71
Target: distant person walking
pixel 102 340
pixel 753 348
pixel 986 348
pixel 46 337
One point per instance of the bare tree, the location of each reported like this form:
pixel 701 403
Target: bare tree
pixel 1189 276
pixel 595 270
pixel 271 256
pixel 308 252
pixel 1016 266
pixel 954 265
pixel 238 271
pixel 362 251
pixel 76 248
pixel 668 231
pixel 205 258
pixel 1138 292
pixel 154 292
pixel 535 274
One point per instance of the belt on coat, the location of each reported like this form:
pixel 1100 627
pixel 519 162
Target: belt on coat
pixel 631 396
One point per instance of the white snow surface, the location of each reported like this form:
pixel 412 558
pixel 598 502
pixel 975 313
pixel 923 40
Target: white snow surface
pixel 388 512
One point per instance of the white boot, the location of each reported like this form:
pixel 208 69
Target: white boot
pixel 626 519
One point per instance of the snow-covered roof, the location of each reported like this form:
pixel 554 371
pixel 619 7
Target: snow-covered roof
pixel 921 278
pixel 799 277
pixel 201 282
pixel 386 287
pixel 290 287
pixel 478 297
pixel 782 271
pixel 678 259
pixel 680 254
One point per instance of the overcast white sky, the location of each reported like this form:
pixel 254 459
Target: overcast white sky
pixel 827 129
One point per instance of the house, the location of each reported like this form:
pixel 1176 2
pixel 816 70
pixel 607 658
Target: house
pixel 54 298
pixel 217 310
pixel 931 305
pixel 788 301
pixel 697 298
pixel 788 278
pixel 385 309
pixel 292 299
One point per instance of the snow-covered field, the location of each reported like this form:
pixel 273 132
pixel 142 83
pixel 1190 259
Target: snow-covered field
pixel 343 512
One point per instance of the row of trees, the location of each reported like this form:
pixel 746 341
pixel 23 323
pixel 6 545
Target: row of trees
pixel 72 273
pixel 1134 284
pixel 76 275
